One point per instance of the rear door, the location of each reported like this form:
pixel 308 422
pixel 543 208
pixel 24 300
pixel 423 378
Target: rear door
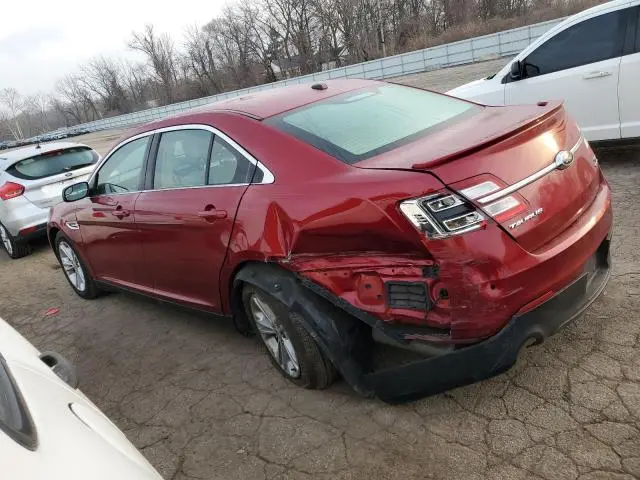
pixel 111 239
pixel 630 80
pixel 580 65
pixel 45 176
pixel 186 214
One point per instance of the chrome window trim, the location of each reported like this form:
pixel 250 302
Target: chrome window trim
pixel 267 176
pixel 528 180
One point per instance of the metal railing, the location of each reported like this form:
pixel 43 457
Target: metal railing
pixel 495 45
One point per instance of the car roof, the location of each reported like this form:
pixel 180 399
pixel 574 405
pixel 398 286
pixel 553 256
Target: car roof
pixel 33 150
pixel 267 103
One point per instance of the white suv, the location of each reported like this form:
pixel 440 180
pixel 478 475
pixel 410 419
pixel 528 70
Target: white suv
pixel 31 181
pixel 591 61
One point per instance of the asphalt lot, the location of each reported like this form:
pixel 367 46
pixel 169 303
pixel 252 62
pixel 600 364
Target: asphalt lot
pixel 203 402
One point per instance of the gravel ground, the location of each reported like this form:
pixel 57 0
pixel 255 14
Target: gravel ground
pixel 203 402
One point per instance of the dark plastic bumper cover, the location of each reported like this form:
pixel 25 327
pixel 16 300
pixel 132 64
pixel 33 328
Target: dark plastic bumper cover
pixel 500 352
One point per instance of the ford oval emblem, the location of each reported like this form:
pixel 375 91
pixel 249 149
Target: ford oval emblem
pixel 563 159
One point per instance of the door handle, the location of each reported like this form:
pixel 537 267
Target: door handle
pixel 120 212
pixel 591 75
pixel 211 213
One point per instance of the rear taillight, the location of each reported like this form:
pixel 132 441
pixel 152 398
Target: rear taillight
pixel 442 215
pixel 502 208
pixel 449 214
pixel 11 190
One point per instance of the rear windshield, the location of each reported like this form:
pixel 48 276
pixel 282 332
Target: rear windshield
pixel 363 123
pixel 53 163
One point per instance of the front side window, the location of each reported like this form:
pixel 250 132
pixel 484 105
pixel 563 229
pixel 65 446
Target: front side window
pixel 122 171
pixel 227 165
pixel 54 162
pixel 182 159
pixel 594 40
pixel 357 125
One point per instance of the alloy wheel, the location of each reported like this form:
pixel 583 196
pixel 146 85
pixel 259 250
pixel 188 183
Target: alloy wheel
pixel 6 241
pixel 274 336
pixel 72 267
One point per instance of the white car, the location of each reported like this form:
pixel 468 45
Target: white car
pixel 31 181
pixel 49 429
pixel 591 61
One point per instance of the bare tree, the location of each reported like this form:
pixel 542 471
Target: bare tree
pixel 201 59
pixel 160 52
pixel 13 105
pixel 135 77
pixel 79 102
pixel 103 77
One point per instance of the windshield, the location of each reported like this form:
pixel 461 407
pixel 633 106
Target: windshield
pixel 14 417
pixel 363 123
pixel 53 163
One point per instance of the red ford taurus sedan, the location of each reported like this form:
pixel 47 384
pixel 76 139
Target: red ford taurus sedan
pixel 334 218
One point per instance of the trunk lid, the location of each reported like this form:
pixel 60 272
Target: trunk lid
pixel 508 145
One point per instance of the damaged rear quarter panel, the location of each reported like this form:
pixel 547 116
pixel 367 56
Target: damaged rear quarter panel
pixel 336 216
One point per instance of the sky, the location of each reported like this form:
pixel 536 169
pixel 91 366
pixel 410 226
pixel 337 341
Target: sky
pixel 43 40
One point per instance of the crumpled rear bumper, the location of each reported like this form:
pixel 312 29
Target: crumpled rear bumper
pixel 338 329
pixel 500 352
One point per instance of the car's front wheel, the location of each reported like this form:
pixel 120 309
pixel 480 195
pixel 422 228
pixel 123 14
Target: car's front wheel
pixel 74 269
pixel 14 247
pixel 290 347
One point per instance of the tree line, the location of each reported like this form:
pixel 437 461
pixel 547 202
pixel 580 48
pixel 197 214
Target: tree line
pixel 256 42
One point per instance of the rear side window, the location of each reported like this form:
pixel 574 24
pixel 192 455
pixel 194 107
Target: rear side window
pixel 227 166
pixel 53 163
pixel 594 40
pixel 182 159
pixel 357 125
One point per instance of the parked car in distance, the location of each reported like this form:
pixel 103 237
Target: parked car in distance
pixel 49 429
pixel 31 182
pixel 591 61
pixel 334 217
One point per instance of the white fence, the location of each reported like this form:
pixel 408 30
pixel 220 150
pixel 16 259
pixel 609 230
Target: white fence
pixel 495 45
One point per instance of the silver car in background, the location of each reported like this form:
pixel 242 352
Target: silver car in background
pixel 31 181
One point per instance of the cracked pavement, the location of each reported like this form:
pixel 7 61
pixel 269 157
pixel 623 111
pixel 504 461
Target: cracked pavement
pixel 203 402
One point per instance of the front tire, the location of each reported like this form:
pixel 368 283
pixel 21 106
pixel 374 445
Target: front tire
pixel 74 269
pixel 14 247
pixel 289 346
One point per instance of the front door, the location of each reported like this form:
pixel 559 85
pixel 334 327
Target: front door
pixel 580 65
pixel 111 239
pixel 186 215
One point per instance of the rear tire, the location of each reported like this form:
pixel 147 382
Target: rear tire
pixel 74 268
pixel 15 248
pixel 303 364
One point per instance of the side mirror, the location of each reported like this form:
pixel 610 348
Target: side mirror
pixel 74 192
pixel 516 70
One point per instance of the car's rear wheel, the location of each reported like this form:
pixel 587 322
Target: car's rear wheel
pixel 14 247
pixel 289 346
pixel 74 269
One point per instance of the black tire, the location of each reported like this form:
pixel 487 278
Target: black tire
pixel 316 372
pixel 16 248
pixel 90 290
